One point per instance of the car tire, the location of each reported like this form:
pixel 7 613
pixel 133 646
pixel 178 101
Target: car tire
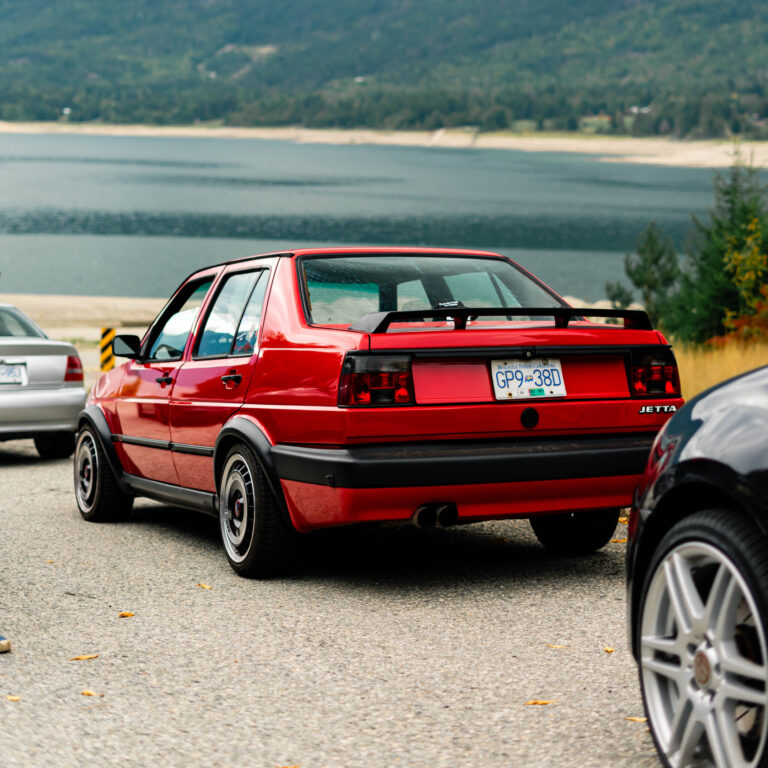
pixel 702 640
pixel 55 445
pixel 98 494
pixel 576 533
pixel 257 539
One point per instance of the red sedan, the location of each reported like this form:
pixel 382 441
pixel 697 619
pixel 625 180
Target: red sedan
pixel 289 392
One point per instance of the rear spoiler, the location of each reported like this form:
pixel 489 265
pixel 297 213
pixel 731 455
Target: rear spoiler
pixel 378 322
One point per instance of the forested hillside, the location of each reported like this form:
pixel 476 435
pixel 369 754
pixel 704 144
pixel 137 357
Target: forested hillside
pixel 679 67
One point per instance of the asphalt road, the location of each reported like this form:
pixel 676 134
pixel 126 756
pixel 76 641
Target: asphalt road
pixel 390 648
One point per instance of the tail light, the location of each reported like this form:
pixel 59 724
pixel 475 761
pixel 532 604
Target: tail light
pixel 654 373
pixel 376 380
pixel 74 371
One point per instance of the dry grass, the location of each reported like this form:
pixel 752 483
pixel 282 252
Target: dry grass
pixel 701 368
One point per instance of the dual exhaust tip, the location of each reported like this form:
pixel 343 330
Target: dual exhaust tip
pixel 442 515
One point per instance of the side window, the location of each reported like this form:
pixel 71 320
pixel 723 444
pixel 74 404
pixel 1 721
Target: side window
pixel 172 336
pixel 248 331
pixel 508 298
pixel 411 295
pixel 226 320
pixel 342 302
pixel 474 289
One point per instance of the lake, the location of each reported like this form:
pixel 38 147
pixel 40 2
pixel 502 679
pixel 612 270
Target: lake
pixel 132 216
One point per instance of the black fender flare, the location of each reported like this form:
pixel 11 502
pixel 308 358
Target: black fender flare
pixel 94 417
pixel 241 429
pixel 688 487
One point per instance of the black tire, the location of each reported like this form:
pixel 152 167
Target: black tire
pixel 98 494
pixel 576 533
pixel 257 539
pixel 694 651
pixel 55 445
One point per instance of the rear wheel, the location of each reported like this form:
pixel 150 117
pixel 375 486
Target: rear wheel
pixel 702 639
pixel 55 445
pixel 98 494
pixel 576 533
pixel 257 539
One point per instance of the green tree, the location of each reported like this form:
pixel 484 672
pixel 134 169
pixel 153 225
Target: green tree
pixel 708 293
pixel 618 294
pixel 653 270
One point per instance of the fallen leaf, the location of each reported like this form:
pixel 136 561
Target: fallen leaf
pixel 637 719
pixel 623 520
pixel 203 586
pixel 551 645
pixel 85 657
pixel 12 698
pixel 618 541
pixel 89 693
pixel 50 561
pixel 124 615
pixel 537 703
pixel 608 649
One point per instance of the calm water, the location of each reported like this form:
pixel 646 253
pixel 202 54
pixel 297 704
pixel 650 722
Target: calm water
pixel 133 216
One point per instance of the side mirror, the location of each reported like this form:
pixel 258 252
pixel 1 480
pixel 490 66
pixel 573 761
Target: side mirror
pixel 126 346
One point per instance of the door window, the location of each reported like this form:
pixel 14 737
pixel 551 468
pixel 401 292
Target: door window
pixel 248 331
pixel 171 338
pixel 231 327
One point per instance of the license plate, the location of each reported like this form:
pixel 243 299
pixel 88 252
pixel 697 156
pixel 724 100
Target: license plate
pixel 12 374
pixel 525 379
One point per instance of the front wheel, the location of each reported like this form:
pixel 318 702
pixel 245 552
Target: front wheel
pixel 99 497
pixel 701 639
pixel 257 539
pixel 576 533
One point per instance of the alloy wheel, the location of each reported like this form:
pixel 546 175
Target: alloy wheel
pixel 703 661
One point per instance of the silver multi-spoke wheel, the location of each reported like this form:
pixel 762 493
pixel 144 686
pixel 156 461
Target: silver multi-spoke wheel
pixel 703 660
pixel 86 471
pixel 237 512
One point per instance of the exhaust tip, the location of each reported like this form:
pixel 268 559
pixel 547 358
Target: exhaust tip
pixel 425 517
pixel 447 515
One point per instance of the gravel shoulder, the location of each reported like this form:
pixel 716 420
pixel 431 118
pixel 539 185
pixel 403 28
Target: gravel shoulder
pixel 390 647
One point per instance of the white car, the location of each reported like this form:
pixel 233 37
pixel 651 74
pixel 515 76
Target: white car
pixel 41 386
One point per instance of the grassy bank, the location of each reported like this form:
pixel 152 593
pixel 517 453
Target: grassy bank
pixel 701 368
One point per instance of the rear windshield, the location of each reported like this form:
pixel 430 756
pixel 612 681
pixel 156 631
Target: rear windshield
pixel 13 323
pixel 344 289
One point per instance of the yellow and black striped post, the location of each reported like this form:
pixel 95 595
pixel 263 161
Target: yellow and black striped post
pixel 107 358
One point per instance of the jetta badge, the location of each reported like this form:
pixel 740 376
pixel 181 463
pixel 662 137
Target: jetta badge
pixel 658 409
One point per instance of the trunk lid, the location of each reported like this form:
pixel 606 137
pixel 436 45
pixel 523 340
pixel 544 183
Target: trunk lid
pixel 33 363
pixel 454 369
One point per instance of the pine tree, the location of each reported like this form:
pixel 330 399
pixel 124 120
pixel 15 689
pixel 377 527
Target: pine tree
pixel 653 270
pixel 707 294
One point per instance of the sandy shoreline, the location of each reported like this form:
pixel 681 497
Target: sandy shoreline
pixel 617 149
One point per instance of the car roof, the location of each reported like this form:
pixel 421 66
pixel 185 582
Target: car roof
pixel 351 251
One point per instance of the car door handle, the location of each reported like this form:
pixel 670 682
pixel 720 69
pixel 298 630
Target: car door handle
pixel 236 377
pixel 164 379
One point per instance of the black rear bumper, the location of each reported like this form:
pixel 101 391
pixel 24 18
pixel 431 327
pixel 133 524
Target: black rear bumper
pixel 404 465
